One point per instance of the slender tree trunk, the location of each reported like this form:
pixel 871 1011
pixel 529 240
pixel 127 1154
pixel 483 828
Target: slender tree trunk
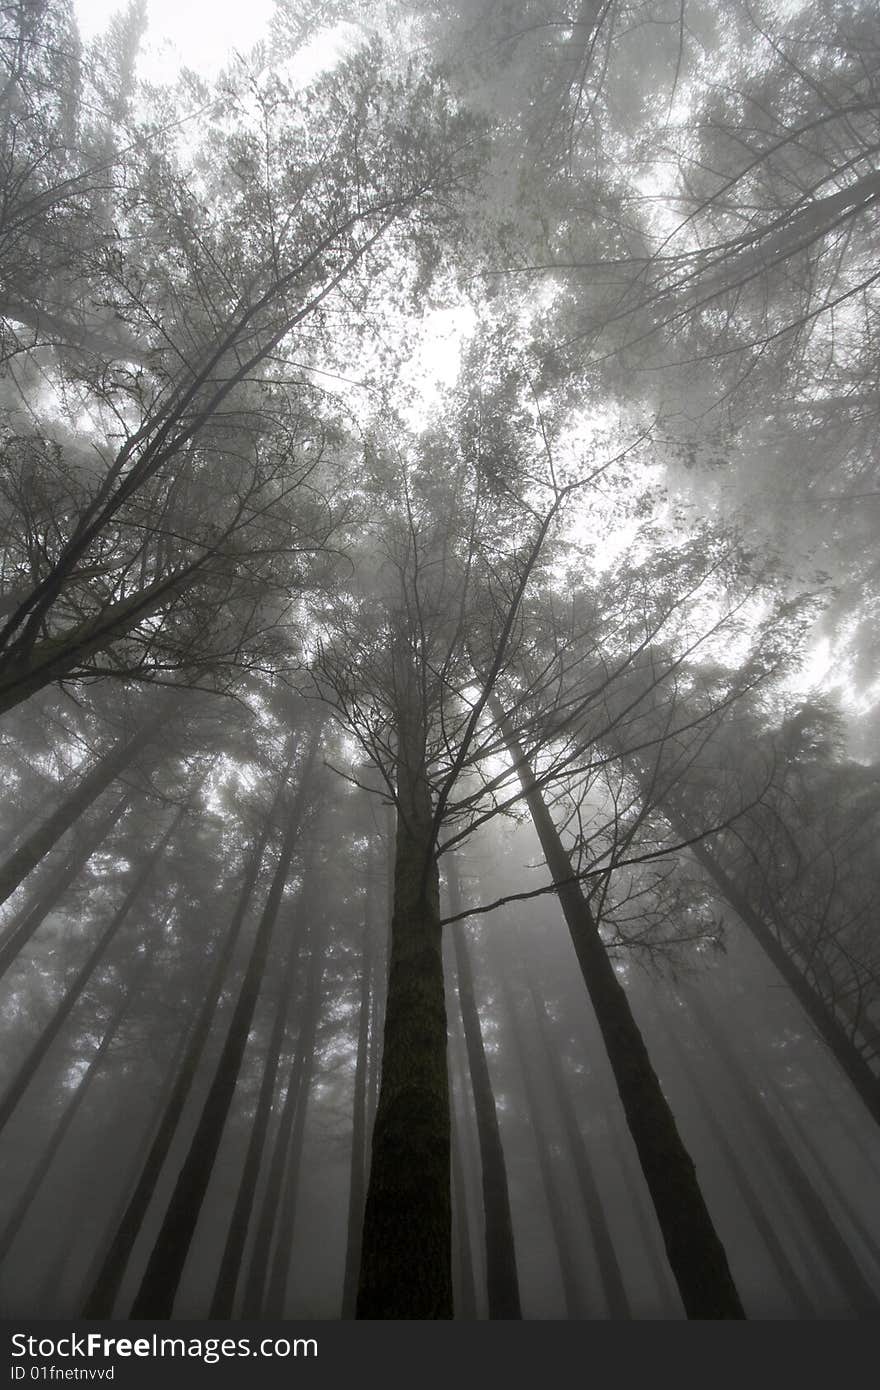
pixel 155 1298
pixel 806 1140
pixel 575 1304
pixel 357 1184
pixel 46 836
pixel 609 1268
pixel 71 1109
pixel 464 1145
pixel 695 1252
pixel 34 913
pixel 227 1278
pixel 28 1068
pixel 841 1260
pixel 466 1301
pixel 820 1014
pixel 501 1273
pixel 103 1292
pixel 111 1228
pixel 266 1225
pixel 406 1257
pixel 303 1070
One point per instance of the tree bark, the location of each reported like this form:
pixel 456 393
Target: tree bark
pixel 406 1258
pixel 695 1253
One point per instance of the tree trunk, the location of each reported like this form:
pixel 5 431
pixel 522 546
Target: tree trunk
pixel 606 1255
pixel 358 1167
pixel 501 1274
pixel 406 1258
pixel 40 841
pixel 575 1304
pixel 301 1078
pixel 28 1068
pixel 155 1298
pixel 227 1278
pixel 103 1292
pixel 695 1252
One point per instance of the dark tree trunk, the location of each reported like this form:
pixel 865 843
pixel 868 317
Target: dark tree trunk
pixel 357 1184
pixel 227 1278
pixel 28 1068
pixel 501 1274
pixel 155 1298
pixel 606 1256
pixel 46 836
pixel 34 913
pixel 103 1292
pixel 466 1175
pixel 406 1258
pixel 695 1252
pixel 301 1078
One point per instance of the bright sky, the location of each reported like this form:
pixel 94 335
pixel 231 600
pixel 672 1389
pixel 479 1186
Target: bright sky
pixel 198 33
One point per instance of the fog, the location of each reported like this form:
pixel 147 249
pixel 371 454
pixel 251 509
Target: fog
pixel 438 689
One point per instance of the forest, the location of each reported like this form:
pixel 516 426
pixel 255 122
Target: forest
pixel 439 601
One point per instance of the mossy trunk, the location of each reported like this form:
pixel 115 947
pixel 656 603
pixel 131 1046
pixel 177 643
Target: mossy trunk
pixel 406 1258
